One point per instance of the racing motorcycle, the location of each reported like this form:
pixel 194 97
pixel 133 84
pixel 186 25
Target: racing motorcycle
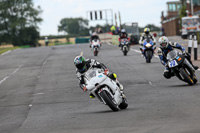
pixel 181 67
pixel 105 89
pixel 95 46
pixel 124 46
pixel 148 50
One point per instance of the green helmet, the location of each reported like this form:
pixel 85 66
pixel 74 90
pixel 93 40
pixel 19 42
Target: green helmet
pixel 80 64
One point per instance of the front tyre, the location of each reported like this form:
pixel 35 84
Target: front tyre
pixel 108 100
pixel 195 79
pixel 148 56
pixel 186 76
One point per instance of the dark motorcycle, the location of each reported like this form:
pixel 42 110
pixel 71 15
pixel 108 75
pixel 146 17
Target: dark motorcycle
pixel 181 67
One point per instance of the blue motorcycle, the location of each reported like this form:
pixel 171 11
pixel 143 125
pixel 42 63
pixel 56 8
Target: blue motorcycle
pixel 148 50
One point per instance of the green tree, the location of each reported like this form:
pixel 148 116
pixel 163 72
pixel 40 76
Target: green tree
pixel 16 16
pixel 74 26
pixel 183 13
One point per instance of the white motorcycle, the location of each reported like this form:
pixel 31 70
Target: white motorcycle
pixel 95 46
pixel 125 47
pixel 105 89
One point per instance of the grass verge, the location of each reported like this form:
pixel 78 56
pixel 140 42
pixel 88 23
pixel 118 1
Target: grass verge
pixel 3 50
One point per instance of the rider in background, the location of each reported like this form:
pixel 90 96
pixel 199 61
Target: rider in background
pixel 123 35
pixel 145 35
pixel 83 65
pixel 93 37
pixel 164 49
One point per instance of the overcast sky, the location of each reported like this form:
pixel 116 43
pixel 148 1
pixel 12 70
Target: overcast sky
pixel 141 11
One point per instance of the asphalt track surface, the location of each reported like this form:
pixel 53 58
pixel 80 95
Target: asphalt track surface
pixel 39 93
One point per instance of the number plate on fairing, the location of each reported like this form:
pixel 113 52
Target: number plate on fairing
pixel 172 63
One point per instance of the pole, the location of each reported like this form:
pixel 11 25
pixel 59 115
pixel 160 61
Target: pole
pixel 192 7
pixel 195 48
pixel 190 44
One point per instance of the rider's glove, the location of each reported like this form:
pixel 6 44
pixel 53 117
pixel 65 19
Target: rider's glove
pixel 171 43
pixel 84 89
pixel 184 52
pixel 106 71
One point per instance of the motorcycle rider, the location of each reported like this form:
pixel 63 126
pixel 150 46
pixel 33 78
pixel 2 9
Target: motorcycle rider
pixel 164 49
pixel 93 37
pixel 84 65
pixel 145 35
pixel 123 35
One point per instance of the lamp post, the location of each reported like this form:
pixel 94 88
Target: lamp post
pixel 191 1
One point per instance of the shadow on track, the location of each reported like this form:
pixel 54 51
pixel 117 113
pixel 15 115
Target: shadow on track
pixel 183 85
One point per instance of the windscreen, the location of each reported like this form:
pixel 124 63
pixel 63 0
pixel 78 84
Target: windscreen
pixel 172 55
pixel 190 22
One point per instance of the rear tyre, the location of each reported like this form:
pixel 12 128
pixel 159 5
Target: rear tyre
pixel 148 56
pixel 195 79
pixel 108 100
pixel 186 76
pixel 124 104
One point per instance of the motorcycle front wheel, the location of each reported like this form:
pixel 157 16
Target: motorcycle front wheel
pixel 186 76
pixel 148 56
pixel 108 100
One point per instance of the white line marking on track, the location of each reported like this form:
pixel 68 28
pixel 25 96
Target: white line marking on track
pixel 4 79
pixel 39 94
pixel 6 52
pixel 16 69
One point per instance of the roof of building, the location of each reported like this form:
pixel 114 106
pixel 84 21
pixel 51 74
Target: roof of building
pixel 171 2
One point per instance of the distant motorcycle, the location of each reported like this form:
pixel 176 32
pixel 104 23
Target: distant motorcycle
pixel 95 46
pixel 125 46
pixel 181 67
pixel 148 50
pixel 105 89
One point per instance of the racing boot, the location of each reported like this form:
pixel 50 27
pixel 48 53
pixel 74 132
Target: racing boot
pixel 142 55
pixel 91 95
pixel 188 56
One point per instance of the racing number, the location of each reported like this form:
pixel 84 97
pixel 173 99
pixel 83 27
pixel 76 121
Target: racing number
pixel 172 63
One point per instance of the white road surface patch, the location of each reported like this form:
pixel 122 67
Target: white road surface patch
pixel 151 83
pixel 30 105
pixel 44 63
pixel 39 94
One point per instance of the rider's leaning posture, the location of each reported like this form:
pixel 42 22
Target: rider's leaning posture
pixel 84 65
pixel 164 49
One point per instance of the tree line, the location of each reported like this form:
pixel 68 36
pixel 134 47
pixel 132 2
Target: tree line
pixel 18 22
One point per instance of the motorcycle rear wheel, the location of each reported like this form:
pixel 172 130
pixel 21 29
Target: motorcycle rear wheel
pixel 108 100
